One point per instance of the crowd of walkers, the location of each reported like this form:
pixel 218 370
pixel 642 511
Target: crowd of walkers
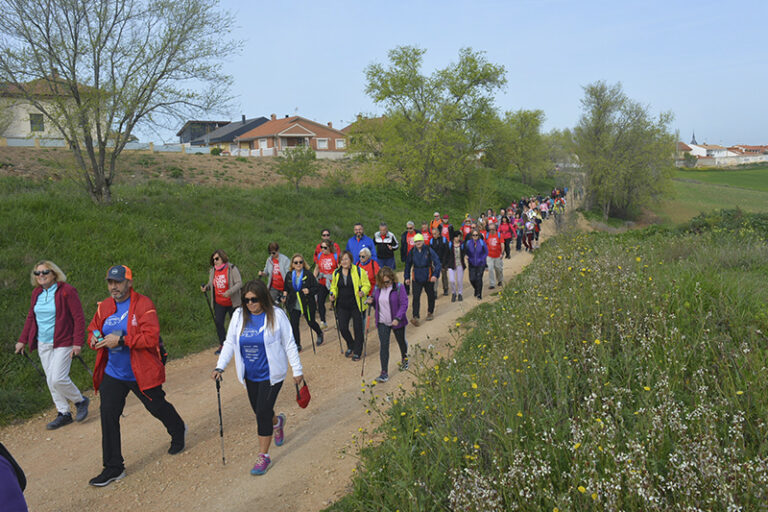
pixel 263 334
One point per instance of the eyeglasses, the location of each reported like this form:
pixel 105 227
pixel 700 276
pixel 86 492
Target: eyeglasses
pixel 387 281
pixel 41 272
pixel 410 229
pixel 475 236
pixel 324 247
pixel 216 258
pixel 326 234
pixel 251 300
pixel 298 262
pixel 272 252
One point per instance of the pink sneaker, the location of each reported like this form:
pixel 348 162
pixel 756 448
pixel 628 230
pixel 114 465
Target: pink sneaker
pixel 262 464
pixel 277 430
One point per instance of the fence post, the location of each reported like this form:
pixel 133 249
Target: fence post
pixel 37 142
pixel 183 149
pixel 3 142
pixel 151 147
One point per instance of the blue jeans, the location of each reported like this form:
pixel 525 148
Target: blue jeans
pixel 389 262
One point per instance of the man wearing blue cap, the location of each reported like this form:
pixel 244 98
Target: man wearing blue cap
pixel 126 333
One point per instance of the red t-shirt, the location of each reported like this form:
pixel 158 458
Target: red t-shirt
pixel 277 278
pixel 319 251
pixel 326 264
pixel 427 237
pixel 409 241
pixel 465 230
pixel 495 244
pixel 446 232
pixel 220 285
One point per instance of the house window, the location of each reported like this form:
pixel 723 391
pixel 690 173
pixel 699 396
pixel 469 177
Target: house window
pixel 322 143
pixel 341 144
pixel 36 123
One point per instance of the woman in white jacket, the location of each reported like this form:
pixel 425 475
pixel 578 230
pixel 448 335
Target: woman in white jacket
pixel 261 340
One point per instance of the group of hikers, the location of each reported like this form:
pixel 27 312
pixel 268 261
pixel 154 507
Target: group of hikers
pixel 263 334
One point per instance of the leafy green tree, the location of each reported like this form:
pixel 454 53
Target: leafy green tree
pixel 517 145
pixel 98 68
pixel 689 160
pixel 297 163
pixel 627 154
pixel 433 126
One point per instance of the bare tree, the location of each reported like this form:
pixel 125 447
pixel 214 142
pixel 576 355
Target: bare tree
pixel 98 68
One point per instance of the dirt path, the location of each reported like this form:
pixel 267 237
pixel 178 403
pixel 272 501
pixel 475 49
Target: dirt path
pixel 309 472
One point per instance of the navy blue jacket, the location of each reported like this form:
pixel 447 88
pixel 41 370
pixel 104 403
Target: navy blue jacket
pixel 425 264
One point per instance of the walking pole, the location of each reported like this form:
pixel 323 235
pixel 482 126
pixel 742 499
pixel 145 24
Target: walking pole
pixel 207 301
pixel 221 423
pixel 365 337
pixel 84 365
pixel 39 371
pixel 338 331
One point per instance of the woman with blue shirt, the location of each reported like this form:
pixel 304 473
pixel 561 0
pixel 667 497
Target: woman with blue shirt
pixel 261 340
pixel 55 326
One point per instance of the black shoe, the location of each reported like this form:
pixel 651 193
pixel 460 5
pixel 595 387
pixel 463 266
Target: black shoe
pixel 355 357
pixel 177 445
pixel 218 350
pixel 60 421
pixel 445 293
pixel 320 339
pixel 491 287
pixel 460 298
pixel 348 352
pixel 453 298
pixel 107 477
pixel 82 409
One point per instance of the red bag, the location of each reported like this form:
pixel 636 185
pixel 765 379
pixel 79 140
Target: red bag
pixel 302 395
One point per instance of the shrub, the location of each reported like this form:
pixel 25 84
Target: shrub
pixel 215 151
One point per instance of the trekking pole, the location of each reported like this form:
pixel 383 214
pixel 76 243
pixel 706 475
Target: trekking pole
pixel 367 314
pixel 84 365
pixel 39 371
pixel 208 301
pixel 221 423
pixel 338 331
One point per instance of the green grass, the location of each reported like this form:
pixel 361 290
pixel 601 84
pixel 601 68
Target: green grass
pixel 692 198
pixel 751 179
pixel 618 372
pixel 165 232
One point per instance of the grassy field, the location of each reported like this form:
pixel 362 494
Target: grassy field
pixel 695 192
pixel 166 231
pixel 618 372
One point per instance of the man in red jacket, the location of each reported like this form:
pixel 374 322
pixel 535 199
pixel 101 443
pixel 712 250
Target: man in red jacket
pixel 126 333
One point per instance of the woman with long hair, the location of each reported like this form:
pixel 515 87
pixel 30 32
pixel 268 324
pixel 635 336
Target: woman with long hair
pixel 300 289
pixel 261 340
pixel 391 303
pixel 349 288
pixel 224 278
pixel 55 326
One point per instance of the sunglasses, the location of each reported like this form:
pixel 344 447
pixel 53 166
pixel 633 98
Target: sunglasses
pixel 298 262
pixel 326 234
pixel 216 258
pixel 475 236
pixel 324 247
pixel 41 272
pixel 387 281
pixel 272 252
pixel 251 300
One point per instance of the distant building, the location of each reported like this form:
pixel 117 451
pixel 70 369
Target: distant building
pixel 277 135
pixel 224 137
pixel 196 129
pixel 19 118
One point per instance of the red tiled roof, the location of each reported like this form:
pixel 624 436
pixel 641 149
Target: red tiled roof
pixel 294 125
pixel 682 146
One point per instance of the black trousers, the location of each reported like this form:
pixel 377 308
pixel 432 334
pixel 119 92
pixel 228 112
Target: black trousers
pixel 219 315
pixel 344 315
pixel 428 287
pixel 321 296
pixel 263 396
pixel 113 392
pixel 295 316
pixel 476 278
pixel 507 243
pixel 384 331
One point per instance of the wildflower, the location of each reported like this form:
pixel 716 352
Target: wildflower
pixel 576 446
pixel 638 259
pixel 458 324
pixel 594 495
pixel 597 342
pixel 474 385
pixel 519 414
pixel 582 489
pixel 402 414
pixel 739 392
pixel 446 439
pixel 646 388
pixel 506 357
pixel 423 453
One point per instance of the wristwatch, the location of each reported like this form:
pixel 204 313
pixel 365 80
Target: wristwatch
pixel 121 341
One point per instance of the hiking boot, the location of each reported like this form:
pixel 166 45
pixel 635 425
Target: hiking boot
pixel 218 350
pixel 107 476
pixel 416 321
pixel 320 339
pixel 348 353
pixel 381 379
pixel 445 293
pixel 277 431
pixel 177 445
pixel 82 409
pixel 404 364
pixel 430 316
pixel 453 298
pixel 460 298
pixel 60 420
pixel 262 464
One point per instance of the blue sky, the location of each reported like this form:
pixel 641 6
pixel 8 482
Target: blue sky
pixel 701 60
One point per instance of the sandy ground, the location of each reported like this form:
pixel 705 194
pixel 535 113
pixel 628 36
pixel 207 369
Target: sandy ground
pixel 309 472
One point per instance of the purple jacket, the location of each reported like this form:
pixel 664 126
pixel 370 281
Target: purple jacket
pixel 477 252
pixel 398 304
pixel 69 328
